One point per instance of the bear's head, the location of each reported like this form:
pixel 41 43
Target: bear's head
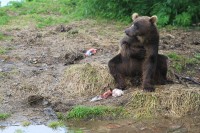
pixel 142 25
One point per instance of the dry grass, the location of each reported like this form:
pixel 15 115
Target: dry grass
pixel 176 103
pixel 86 79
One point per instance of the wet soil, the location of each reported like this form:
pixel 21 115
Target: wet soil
pixel 33 65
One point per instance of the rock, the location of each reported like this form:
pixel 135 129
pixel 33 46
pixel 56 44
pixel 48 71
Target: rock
pixel 177 129
pixel 45 102
pixel 50 112
pixel 34 61
pixel 8 94
pixel 168 36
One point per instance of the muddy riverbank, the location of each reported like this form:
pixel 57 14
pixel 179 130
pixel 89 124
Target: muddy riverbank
pixel 43 71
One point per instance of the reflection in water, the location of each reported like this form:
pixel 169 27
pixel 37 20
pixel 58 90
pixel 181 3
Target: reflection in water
pixel 188 124
pixel 32 129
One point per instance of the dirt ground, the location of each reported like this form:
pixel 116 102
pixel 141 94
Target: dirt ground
pixel 32 70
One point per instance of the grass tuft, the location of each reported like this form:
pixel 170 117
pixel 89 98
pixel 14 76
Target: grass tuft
pixel 176 103
pixel 55 124
pixel 26 123
pixel 86 79
pixel 4 116
pixel 2 50
pixel 85 112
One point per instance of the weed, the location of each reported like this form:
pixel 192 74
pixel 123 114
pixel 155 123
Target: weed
pixel 4 116
pixel 174 56
pixel 55 124
pixel 2 50
pixel 197 56
pixel 4 20
pixel 60 116
pixel 16 4
pixel 3 74
pixel 26 123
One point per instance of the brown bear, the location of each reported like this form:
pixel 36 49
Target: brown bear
pixel 128 63
pixel 144 28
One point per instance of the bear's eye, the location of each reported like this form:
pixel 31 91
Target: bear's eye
pixel 136 26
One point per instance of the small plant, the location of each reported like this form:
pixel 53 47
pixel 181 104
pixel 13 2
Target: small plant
pixel 197 56
pixel 4 116
pixel 183 19
pixel 2 50
pixel 55 124
pixel 60 116
pixel 174 56
pixel 16 4
pixel 26 123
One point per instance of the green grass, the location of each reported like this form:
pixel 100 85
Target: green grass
pixel 4 116
pixel 197 56
pixel 61 116
pixel 4 37
pixel 41 13
pixel 55 124
pixel 180 62
pixel 174 56
pixel 84 112
pixel 4 50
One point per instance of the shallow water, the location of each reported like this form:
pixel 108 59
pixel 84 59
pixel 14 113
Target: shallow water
pixel 32 129
pixel 189 124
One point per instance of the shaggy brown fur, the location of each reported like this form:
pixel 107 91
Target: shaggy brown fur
pixel 144 28
pixel 128 63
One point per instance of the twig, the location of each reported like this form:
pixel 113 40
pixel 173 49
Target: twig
pixel 180 78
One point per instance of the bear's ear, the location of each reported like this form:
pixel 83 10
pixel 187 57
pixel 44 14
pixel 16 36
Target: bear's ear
pixel 153 19
pixel 134 16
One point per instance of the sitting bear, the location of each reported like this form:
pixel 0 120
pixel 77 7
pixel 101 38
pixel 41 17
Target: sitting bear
pixel 128 63
pixel 145 30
